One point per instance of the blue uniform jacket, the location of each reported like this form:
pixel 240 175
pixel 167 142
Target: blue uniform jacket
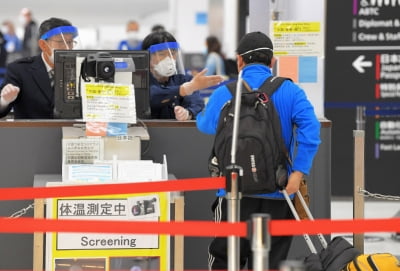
pixel 165 96
pixel 294 110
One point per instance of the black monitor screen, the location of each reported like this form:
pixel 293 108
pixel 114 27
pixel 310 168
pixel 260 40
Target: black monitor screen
pixel 68 64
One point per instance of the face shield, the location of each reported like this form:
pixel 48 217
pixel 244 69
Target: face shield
pixel 166 59
pixel 62 37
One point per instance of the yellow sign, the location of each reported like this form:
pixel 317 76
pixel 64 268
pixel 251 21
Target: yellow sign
pixel 296 27
pixel 108 102
pixel 297 38
pixel 98 251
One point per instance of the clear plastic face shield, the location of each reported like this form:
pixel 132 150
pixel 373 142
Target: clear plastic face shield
pixel 62 37
pixel 166 59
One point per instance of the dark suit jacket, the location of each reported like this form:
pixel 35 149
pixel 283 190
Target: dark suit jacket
pixel 36 97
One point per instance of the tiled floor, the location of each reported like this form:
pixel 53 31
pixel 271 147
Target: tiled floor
pixel 374 242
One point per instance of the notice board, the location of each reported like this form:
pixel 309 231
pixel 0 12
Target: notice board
pixel 99 251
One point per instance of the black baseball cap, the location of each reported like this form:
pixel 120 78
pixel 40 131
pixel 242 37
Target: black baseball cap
pixel 255 41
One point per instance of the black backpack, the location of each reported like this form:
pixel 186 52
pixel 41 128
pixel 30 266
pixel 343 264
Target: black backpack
pixel 260 148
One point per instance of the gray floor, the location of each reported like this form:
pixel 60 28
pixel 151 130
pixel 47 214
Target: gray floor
pixel 373 242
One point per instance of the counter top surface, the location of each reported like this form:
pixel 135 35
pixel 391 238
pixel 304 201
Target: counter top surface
pixel 149 123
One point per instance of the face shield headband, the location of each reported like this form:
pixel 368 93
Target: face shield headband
pixel 61 30
pixel 167 58
pixel 163 46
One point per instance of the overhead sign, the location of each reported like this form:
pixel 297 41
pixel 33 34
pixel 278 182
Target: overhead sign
pixel 363 70
pixel 360 63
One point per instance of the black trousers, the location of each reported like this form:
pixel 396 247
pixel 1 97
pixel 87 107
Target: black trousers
pixel 280 245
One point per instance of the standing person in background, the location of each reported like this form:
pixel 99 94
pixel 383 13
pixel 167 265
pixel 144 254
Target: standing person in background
pixel 29 42
pixel 3 53
pixel 173 93
pixel 13 43
pixel 132 41
pixel 28 85
pixel 255 59
pixel 215 58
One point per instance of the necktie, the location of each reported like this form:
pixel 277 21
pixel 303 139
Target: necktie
pixel 51 76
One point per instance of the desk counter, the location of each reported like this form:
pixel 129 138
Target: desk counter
pixel 34 147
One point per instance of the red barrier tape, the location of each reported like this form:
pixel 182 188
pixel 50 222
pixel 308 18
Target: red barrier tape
pixel 102 269
pixel 189 228
pixel 112 189
pixel 192 228
pixel 198 228
pixel 327 226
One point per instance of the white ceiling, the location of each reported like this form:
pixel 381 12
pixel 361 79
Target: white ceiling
pixel 85 12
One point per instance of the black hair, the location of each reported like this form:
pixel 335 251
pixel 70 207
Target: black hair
pixel 213 44
pixel 156 38
pixel 258 57
pixel 51 23
pixel 157 28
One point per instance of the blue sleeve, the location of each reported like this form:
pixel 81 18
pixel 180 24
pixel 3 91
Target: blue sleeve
pixel 207 120
pixel 159 95
pixel 307 134
pixel 139 46
pixel 18 44
pixel 211 65
pixel 122 45
pixel 295 110
pixel 11 77
pixel 162 94
pixel 194 103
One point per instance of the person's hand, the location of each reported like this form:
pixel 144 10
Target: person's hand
pixel 294 181
pixel 8 94
pixel 181 113
pixel 200 81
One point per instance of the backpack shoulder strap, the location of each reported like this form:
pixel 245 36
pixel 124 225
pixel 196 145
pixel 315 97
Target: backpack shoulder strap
pixel 232 87
pixel 271 84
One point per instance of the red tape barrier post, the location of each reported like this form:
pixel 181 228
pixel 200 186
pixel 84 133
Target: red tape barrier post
pixel 260 240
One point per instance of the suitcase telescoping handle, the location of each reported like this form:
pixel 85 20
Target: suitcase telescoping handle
pixel 296 215
pixel 310 216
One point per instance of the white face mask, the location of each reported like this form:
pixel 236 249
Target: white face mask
pixel 132 38
pixel 51 56
pixel 165 67
pixel 132 35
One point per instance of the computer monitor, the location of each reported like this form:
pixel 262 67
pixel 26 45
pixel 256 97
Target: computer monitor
pixel 68 102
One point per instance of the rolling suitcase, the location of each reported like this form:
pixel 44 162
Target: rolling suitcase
pixel 334 255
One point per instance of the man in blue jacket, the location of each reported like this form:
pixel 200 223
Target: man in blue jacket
pixel 255 59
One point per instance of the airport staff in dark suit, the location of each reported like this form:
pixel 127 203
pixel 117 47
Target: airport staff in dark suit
pixel 29 41
pixel 28 85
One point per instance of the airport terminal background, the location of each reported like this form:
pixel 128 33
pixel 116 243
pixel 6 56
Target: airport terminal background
pixel 102 26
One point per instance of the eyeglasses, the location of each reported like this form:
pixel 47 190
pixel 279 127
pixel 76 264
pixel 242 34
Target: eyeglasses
pixel 70 43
